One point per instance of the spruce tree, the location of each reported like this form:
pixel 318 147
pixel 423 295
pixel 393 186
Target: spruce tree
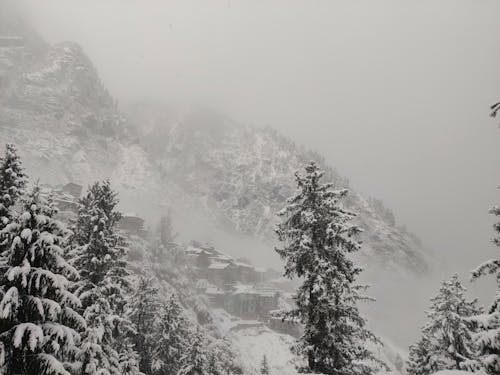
pixel 100 255
pixel 39 321
pixel 318 236
pixel 448 336
pixel 12 183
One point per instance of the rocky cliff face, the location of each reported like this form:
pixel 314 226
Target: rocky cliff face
pixel 66 125
pixel 68 128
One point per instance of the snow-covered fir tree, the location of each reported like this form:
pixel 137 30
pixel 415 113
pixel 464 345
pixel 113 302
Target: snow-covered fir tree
pixel 173 341
pixel 447 342
pixel 422 359
pixel 12 183
pixel 221 359
pixel 100 255
pixel 488 336
pixel 318 236
pixel 39 322
pixel 144 313
pixel 129 361
pixel 197 358
pixel 264 366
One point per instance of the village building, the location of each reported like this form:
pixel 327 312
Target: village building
pixel 235 286
pixel 222 274
pixel 251 303
pixel 132 224
pixel 216 296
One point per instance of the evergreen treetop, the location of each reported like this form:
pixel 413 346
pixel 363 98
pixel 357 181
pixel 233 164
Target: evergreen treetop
pixel 39 320
pixel 318 236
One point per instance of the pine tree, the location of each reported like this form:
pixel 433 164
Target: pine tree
pixel 12 183
pixel 318 238
pixel 39 318
pixel 488 337
pixel 448 334
pixel 100 255
pixel 264 366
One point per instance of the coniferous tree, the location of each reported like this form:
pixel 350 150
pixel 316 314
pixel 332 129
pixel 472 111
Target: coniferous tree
pixel 164 247
pixel 39 318
pixel 447 342
pixel 100 255
pixel 197 359
pixel 317 239
pixel 422 358
pixel 173 339
pixel 144 310
pixel 12 183
pixel 264 366
pixel 488 336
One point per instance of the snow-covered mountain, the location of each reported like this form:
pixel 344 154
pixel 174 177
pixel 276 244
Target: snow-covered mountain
pixel 68 127
pixel 240 176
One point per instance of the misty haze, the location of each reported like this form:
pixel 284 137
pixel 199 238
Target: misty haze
pixel 249 187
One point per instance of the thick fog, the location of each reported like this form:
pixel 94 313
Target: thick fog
pixel 394 94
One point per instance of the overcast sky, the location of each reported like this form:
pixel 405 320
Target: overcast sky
pixel 395 94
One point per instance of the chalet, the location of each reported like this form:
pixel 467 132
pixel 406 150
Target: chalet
pixel 246 273
pixel 251 303
pixel 216 296
pixel 222 274
pixel 133 224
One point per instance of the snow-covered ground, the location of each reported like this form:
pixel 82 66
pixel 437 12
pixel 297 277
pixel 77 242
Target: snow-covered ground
pixel 252 340
pixel 253 343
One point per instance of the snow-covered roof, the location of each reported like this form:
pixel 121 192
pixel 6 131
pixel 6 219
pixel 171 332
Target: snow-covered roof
pixel 218 266
pixel 131 214
pixel 250 289
pixel 193 249
pixel 241 264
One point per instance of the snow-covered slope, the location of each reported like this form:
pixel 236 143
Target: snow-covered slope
pixel 66 125
pixel 252 342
